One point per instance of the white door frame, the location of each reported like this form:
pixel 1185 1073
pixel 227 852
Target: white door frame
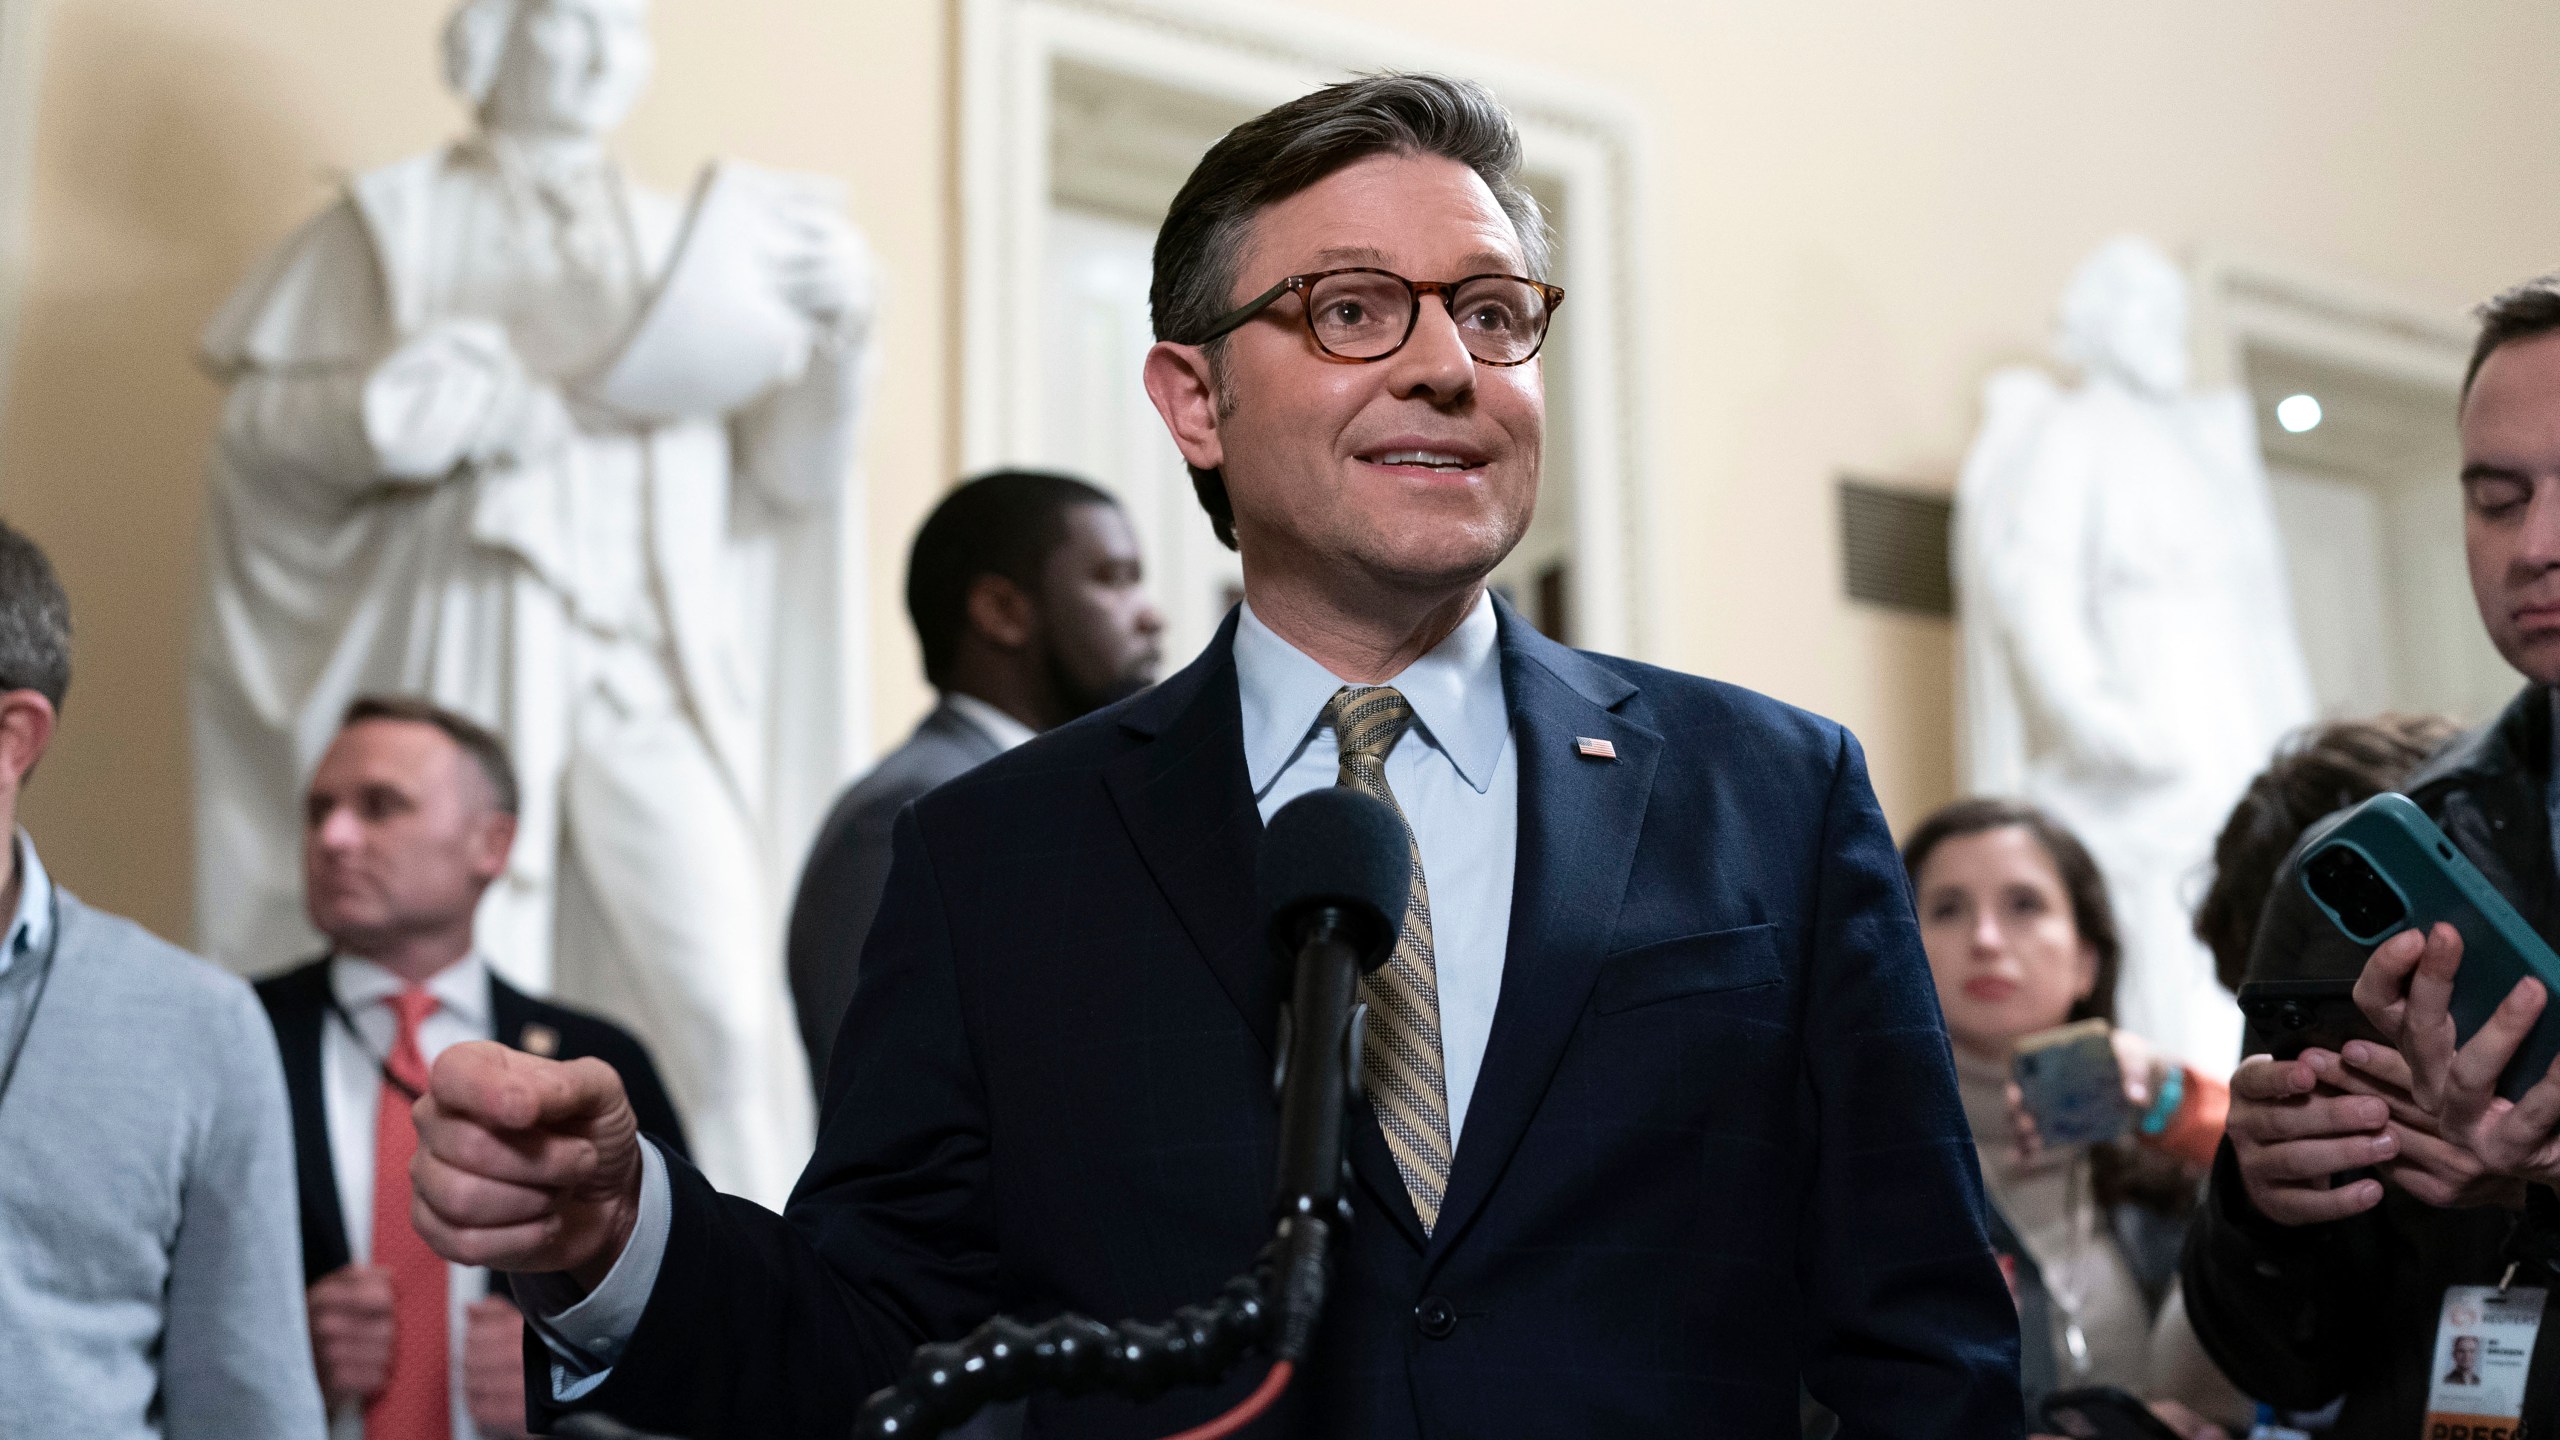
pixel 1261 55
pixel 2244 300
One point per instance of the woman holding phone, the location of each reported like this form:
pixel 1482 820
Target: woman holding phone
pixel 2014 915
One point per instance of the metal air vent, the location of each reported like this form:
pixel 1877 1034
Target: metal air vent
pixel 1893 547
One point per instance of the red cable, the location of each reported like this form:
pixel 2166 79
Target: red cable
pixel 1246 1412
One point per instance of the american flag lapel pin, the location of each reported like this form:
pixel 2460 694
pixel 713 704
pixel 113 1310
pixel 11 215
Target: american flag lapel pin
pixel 1591 749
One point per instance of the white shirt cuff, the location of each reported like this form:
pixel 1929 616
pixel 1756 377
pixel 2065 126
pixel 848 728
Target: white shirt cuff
pixel 587 1336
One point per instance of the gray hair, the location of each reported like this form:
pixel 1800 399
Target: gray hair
pixel 475 42
pixel 35 620
pixel 1286 150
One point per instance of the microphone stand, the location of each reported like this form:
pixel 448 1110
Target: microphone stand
pixel 1271 1308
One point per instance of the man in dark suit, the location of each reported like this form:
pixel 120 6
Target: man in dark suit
pixel 1028 597
pixel 1661 1121
pixel 408 819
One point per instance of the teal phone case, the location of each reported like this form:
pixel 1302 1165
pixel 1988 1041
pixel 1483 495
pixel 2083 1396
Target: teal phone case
pixel 2432 882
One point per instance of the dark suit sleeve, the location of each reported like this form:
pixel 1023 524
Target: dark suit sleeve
pixel 1911 1330
pixel 764 1326
pixel 839 897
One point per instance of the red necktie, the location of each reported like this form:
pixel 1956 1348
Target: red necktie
pixel 417 1404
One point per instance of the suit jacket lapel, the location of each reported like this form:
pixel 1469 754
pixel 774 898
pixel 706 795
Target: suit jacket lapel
pixel 1188 805
pixel 1189 809
pixel 300 1013
pixel 1579 823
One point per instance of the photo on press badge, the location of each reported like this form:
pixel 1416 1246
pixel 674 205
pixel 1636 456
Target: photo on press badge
pixel 2484 1343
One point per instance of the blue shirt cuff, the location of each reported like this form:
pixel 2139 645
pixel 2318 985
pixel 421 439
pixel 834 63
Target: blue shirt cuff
pixel 586 1336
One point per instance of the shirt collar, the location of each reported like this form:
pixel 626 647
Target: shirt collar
pixel 1455 691
pixel 461 988
pixel 987 720
pixel 32 927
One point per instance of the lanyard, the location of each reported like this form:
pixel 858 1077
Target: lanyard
pixel 381 1062
pixel 35 1000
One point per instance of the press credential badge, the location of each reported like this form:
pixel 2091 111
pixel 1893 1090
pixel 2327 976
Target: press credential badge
pixel 2484 1344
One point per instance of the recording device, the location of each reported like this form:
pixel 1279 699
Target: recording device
pixel 2071 1084
pixel 2102 1412
pixel 2384 867
pixel 2287 1017
pixel 1333 875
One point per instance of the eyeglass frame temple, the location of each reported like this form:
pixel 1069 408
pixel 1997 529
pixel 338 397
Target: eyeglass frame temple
pixel 1235 319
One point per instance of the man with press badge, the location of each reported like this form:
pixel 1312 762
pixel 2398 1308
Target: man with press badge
pixel 2381 1229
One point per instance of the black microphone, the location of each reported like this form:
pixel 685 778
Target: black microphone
pixel 1336 867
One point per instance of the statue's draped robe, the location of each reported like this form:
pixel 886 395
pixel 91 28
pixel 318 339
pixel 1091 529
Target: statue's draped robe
pixel 619 574
pixel 2130 656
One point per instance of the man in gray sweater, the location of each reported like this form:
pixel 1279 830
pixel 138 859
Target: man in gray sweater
pixel 150 1268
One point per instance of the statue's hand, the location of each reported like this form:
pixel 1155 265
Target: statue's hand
pixel 822 264
pixel 457 394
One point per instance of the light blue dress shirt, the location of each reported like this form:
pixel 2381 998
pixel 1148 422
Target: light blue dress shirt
pixel 29 931
pixel 1457 779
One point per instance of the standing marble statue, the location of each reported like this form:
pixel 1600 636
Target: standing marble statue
pixel 2129 649
pixel 507 430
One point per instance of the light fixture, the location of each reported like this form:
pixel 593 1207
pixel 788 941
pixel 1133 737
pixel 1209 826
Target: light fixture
pixel 2297 413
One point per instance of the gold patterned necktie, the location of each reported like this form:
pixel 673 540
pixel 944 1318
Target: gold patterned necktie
pixel 1400 1061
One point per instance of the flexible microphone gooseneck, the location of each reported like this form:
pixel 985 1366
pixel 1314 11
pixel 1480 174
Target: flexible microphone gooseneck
pixel 1334 871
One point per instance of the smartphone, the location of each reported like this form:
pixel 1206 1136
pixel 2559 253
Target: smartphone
pixel 2384 867
pixel 2287 1017
pixel 2072 1085
pixel 2102 1412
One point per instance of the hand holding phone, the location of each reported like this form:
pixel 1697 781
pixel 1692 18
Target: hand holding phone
pixel 2386 876
pixel 2412 983
pixel 2071 1085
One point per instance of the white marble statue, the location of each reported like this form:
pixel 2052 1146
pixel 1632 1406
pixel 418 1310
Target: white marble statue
pixel 2129 649
pixel 507 430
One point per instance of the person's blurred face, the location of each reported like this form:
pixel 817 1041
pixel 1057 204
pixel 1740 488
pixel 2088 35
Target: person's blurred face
pixel 2003 948
pixel 2466 1353
pixel 572 67
pixel 400 836
pixel 1420 470
pixel 1102 631
pixel 2511 501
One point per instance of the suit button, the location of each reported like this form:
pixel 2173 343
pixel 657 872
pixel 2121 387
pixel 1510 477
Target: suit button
pixel 1435 1318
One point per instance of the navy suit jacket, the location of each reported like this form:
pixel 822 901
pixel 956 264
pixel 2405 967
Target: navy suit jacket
pixel 1715 1151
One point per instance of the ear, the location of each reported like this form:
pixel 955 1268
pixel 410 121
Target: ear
pixel 1185 393
pixel 999 610
pixel 26 728
pixel 496 841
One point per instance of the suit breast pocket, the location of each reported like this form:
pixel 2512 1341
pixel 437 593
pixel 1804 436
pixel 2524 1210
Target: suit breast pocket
pixel 1701 964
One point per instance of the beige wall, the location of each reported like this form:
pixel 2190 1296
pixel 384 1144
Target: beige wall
pixel 1857 209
